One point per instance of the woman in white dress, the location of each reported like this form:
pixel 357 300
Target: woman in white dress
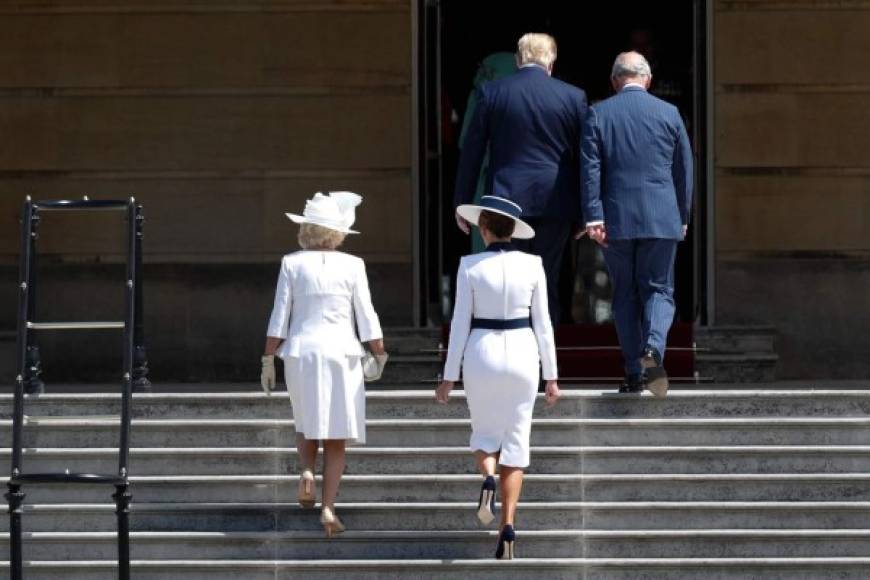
pixel 502 338
pixel 321 294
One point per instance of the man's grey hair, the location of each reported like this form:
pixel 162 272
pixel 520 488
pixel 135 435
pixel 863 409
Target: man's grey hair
pixel 630 65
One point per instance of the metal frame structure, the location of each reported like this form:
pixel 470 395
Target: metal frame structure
pixel 26 376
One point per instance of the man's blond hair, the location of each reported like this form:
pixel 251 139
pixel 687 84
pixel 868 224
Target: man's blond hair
pixel 536 48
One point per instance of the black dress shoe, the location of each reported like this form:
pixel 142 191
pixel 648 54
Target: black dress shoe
pixel 506 540
pixel 656 377
pixel 632 384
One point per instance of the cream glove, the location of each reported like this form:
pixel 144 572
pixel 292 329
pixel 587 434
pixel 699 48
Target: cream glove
pixel 267 374
pixel 373 366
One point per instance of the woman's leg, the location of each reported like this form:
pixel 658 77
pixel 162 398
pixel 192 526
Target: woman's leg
pixel 486 462
pixel 511 485
pixel 333 468
pixel 307 450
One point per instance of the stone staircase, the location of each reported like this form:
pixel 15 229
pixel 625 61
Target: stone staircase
pixel 736 484
pixel 736 354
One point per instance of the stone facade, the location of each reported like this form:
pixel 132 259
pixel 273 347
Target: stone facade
pixel 792 176
pixel 218 116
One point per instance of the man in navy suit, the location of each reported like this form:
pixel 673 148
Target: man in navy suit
pixel 532 124
pixel 637 201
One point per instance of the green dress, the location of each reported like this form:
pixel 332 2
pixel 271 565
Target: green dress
pixel 494 66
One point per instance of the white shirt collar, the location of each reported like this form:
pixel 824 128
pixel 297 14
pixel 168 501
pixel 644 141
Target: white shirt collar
pixel 531 64
pixel 637 85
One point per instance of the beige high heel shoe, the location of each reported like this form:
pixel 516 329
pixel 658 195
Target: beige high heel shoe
pixel 331 524
pixel 307 496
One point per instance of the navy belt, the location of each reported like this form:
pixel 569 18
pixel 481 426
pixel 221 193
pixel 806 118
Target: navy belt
pixel 495 324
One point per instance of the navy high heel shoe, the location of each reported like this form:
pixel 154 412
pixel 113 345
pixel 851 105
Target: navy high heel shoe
pixel 506 540
pixel 486 504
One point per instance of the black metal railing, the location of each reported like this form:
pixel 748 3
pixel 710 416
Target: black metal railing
pixel 27 373
pixel 31 221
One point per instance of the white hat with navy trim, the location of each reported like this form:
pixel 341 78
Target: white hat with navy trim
pixel 499 205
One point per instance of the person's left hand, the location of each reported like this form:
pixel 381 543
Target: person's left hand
pixel 579 232
pixel 552 393
pixel 685 231
pixel 598 233
pixel 442 393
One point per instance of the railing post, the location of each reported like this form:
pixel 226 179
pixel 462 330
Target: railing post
pixel 140 357
pixel 123 497
pixel 16 501
pixel 33 383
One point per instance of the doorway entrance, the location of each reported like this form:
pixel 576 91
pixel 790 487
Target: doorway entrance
pixel 456 37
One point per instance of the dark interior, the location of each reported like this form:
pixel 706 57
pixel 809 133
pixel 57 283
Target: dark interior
pixel 589 35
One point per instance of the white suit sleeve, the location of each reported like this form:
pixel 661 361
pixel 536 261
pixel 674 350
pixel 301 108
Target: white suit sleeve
pixel 543 327
pixel 460 326
pixel 367 323
pixel 283 304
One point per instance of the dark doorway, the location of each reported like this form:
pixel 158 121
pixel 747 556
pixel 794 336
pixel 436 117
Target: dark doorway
pixel 456 36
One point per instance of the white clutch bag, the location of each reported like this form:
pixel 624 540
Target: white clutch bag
pixel 373 366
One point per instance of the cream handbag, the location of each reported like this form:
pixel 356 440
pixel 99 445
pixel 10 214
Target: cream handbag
pixel 373 366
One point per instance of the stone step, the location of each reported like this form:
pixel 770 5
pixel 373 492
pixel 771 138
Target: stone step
pixel 423 516
pixel 519 569
pixel 723 403
pixel 736 339
pixel 414 460
pixel 413 341
pixel 432 488
pixel 103 432
pixel 737 367
pixel 399 544
pixel 409 369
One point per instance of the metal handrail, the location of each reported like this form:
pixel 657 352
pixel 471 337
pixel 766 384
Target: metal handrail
pixel 69 478
pixel 120 481
pixel 81 204
pixel 109 325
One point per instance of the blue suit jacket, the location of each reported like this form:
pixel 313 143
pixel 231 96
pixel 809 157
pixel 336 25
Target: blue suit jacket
pixel 532 125
pixel 637 167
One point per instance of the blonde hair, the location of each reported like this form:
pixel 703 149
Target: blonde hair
pixel 314 237
pixel 536 48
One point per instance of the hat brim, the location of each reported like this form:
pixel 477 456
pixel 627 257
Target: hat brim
pixel 300 219
pixel 471 213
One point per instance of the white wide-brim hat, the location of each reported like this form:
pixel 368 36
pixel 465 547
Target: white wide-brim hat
pixel 336 210
pixel 499 205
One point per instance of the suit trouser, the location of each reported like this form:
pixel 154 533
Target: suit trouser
pixel 551 237
pixel 642 276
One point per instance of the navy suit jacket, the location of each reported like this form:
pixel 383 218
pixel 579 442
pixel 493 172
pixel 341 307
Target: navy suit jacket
pixel 532 124
pixel 637 167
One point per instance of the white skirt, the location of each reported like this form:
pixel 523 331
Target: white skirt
pixel 501 374
pixel 327 393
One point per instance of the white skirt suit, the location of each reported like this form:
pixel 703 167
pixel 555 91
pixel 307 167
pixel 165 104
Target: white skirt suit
pixel 320 295
pixel 501 368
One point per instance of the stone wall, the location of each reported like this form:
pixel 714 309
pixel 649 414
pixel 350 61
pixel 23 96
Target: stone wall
pixel 218 116
pixel 793 178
